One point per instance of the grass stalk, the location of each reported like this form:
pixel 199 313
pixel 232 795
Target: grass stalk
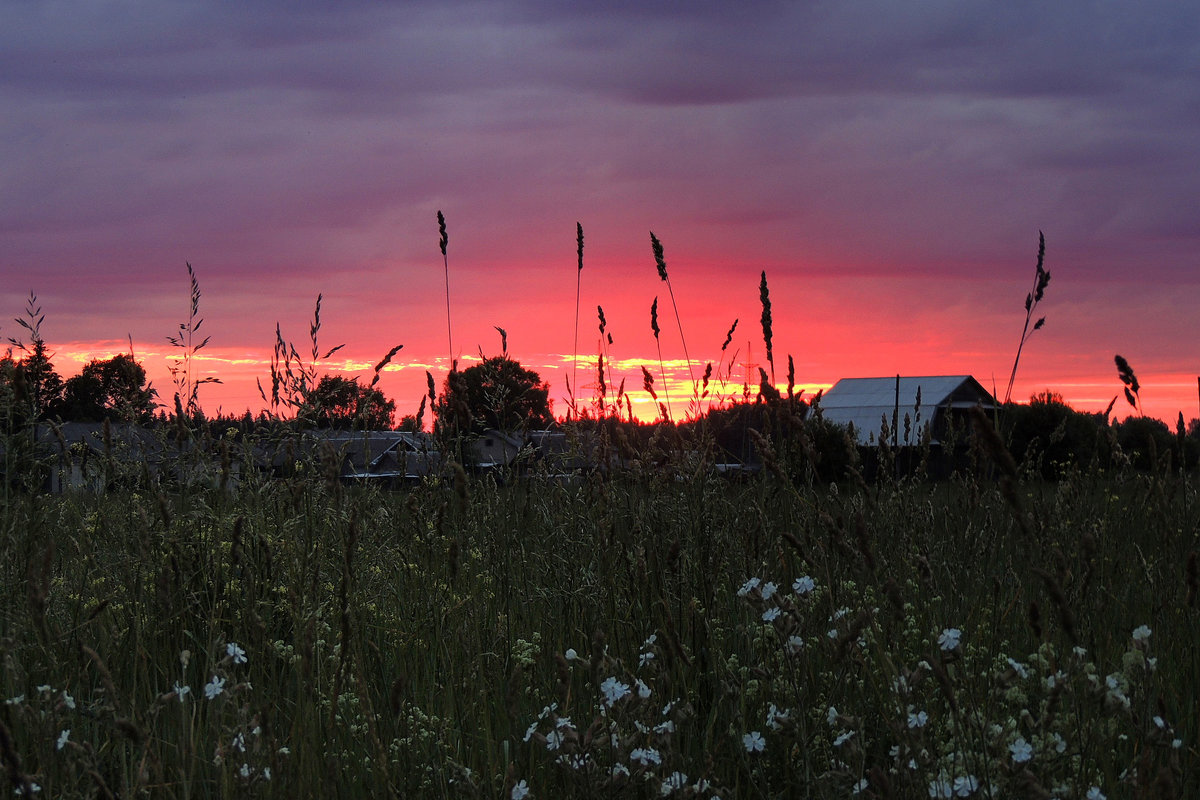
pixel 443 240
pixel 661 264
pixel 1041 278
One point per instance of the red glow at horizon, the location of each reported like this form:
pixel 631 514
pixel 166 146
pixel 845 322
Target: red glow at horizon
pixel 1164 395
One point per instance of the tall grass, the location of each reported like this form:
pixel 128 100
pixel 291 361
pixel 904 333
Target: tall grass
pixel 661 264
pixel 1041 279
pixel 186 341
pixel 573 389
pixel 443 241
pixel 661 366
pixel 604 638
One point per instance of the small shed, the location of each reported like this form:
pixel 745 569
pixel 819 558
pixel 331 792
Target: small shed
pixel 936 402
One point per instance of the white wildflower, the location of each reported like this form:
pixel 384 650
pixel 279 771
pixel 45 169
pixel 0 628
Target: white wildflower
pixel 965 786
pixel 642 689
pixel 941 789
pixel 214 687
pixel 776 718
pixel 949 639
pixel 754 742
pixel 520 791
pixel 677 780
pixel 645 756
pixel 1021 750
pixel 803 585
pixel 236 653
pixel 842 739
pixel 748 587
pixel 771 614
pixel 918 719
pixel 768 590
pixel 1141 633
pixel 613 690
pixel 63 738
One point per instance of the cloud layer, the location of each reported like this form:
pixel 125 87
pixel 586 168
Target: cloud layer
pixel 889 166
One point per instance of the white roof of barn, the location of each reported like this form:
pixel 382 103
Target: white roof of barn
pixel 866 402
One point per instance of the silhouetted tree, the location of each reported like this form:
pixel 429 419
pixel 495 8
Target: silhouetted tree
pixel 497 393
pixel 34 386
pixel 31 387
pixel 113 389
pixel 43 385
pixel 410 423
pixel 338 402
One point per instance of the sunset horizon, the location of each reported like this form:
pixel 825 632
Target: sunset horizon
pixel 241 369
pixel 888 168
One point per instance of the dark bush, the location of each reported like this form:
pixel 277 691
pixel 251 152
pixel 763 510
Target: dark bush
pixel 1049 438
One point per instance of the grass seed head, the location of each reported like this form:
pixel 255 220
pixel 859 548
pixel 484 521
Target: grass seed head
pixel 659 261
pixel 579 242
pixel 764 295
pixel 729 336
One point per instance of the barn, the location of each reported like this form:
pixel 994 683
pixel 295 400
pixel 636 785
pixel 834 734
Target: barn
pixel 906 405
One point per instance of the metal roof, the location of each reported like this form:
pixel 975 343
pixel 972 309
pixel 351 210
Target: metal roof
pixel 866 402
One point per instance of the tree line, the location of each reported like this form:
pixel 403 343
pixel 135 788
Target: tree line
pixel 497 393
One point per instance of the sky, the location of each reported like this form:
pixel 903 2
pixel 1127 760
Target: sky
pixel 888 166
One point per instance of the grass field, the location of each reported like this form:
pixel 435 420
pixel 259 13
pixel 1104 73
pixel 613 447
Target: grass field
pixel 653 633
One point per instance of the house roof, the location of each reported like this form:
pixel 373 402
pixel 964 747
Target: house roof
pixel 374 453
pixel 866 402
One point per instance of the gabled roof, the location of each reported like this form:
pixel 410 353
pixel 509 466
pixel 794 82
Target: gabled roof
pixel 865 402
pixel 374 453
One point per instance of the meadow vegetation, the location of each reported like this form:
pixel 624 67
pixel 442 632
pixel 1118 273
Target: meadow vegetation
pixel 837 624
pixel 642 632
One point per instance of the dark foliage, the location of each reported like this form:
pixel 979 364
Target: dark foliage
pixel 1049 437
pixel 338 402
pixel 498 393
pixel 114 389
